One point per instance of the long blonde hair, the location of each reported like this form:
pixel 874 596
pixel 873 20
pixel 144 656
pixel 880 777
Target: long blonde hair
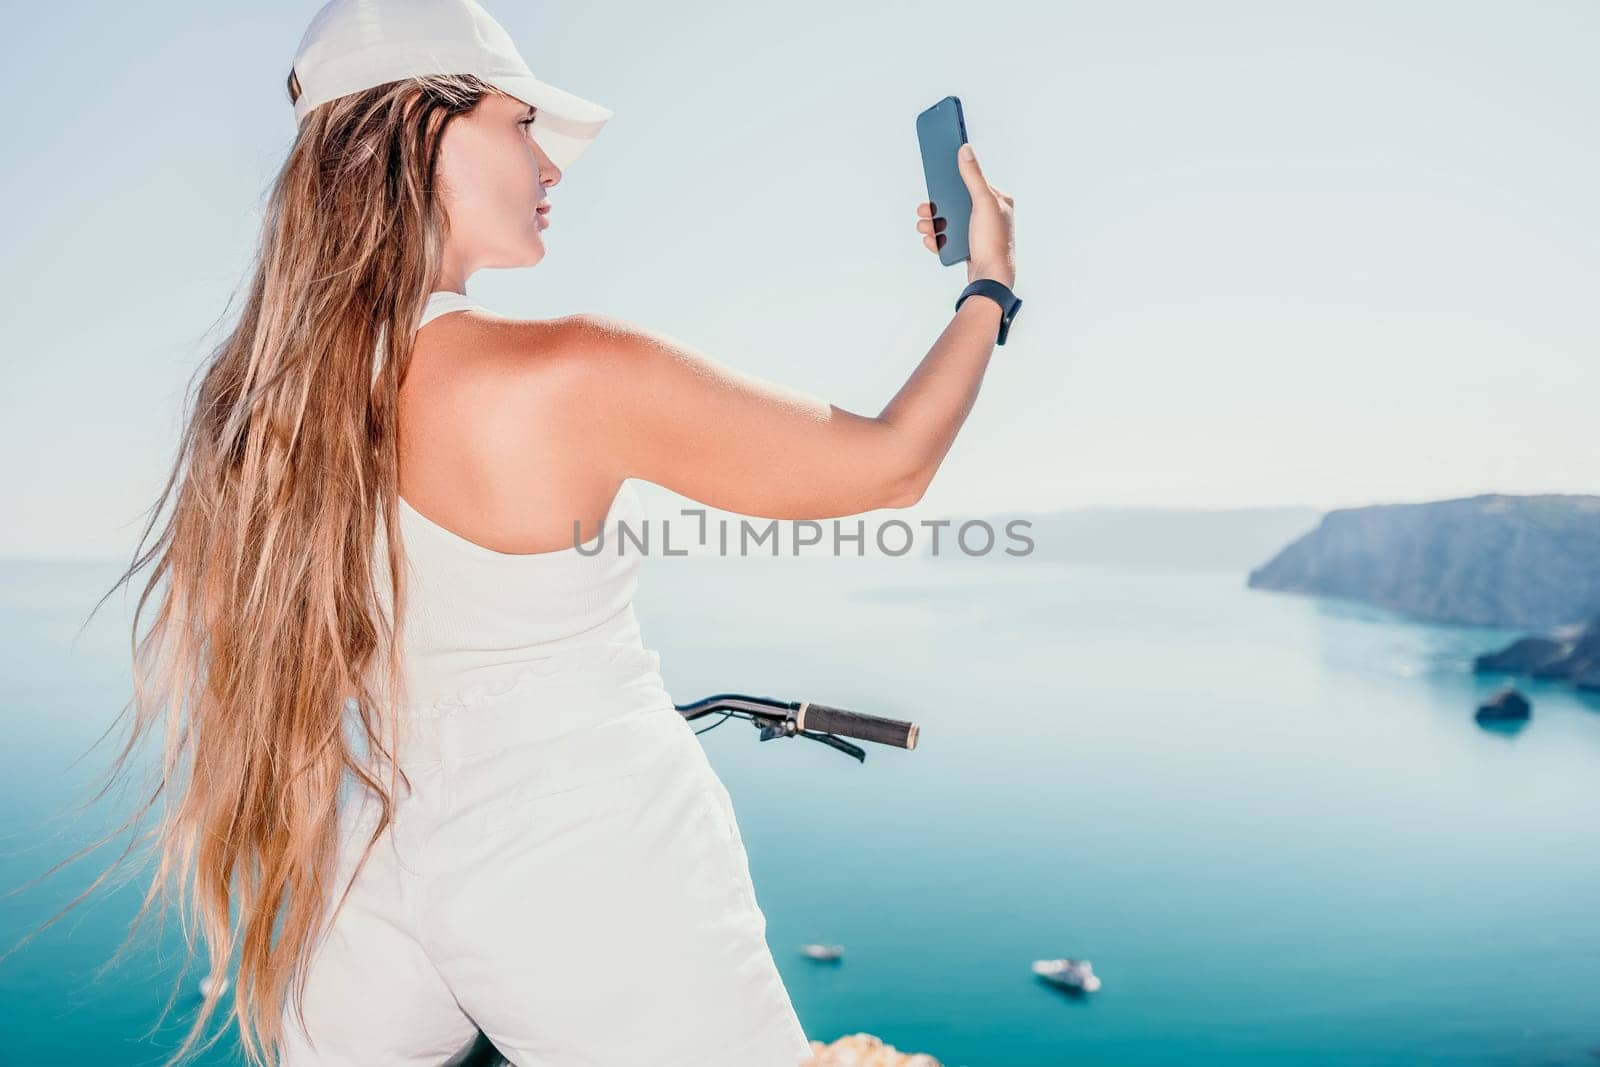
pixel 270 617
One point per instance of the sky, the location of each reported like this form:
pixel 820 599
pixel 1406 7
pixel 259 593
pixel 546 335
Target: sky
pixel 1270 254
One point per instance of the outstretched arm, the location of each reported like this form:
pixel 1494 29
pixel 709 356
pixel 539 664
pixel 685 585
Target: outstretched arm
pixel 672 415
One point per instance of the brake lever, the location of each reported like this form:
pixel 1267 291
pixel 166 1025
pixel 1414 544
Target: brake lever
pixel 786 729
pixel 773 718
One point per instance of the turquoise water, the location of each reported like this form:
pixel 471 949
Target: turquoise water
pixel 1269 820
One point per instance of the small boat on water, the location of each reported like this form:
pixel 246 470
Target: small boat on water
pixel 1068 973
pixel 823 952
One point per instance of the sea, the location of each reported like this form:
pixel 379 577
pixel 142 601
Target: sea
pixel 1269 820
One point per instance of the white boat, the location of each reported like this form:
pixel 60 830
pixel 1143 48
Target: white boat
pixel 823 952
pixel 212 982
pixel 1068 973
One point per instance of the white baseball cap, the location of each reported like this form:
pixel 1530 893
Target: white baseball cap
pixel 356 44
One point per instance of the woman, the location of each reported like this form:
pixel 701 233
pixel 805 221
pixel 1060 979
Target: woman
pixel 421 771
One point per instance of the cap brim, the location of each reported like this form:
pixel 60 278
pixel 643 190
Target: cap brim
pixel 564 125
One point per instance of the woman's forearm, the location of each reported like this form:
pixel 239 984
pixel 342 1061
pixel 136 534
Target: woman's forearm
pixel 931 407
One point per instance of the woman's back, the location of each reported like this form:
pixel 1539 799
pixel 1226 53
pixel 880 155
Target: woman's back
pixel 476 617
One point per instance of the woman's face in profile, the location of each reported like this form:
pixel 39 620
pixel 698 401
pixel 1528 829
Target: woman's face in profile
pixel 493 177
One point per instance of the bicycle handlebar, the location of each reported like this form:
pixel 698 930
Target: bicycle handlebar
pixel 818 722
pixel 900 734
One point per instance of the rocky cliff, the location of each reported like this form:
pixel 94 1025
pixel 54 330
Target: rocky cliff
pixel 1571 653
pixel 1489 560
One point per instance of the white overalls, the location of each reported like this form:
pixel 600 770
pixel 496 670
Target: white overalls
pixel 567 874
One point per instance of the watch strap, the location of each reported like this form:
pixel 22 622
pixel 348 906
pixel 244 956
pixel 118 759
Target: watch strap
pixel 1001 294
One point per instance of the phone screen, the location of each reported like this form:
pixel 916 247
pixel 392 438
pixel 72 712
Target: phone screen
pixel 941 131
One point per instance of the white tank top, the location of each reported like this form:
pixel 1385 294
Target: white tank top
pixel 476 619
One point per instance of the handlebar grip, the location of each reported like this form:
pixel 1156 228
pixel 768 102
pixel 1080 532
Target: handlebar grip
pixel 821 717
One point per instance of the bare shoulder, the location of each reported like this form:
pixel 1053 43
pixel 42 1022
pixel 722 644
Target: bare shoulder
pixel 645 371
pixel 620 372
pixel 474 346
pixel 597 343
pixel 500 351
pixel 598 333
pixel 494 363
pixel 497 422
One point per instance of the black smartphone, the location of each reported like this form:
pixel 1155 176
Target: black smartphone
pixel 941 131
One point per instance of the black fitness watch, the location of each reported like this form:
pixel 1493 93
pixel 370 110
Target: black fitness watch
pixel 1001 294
